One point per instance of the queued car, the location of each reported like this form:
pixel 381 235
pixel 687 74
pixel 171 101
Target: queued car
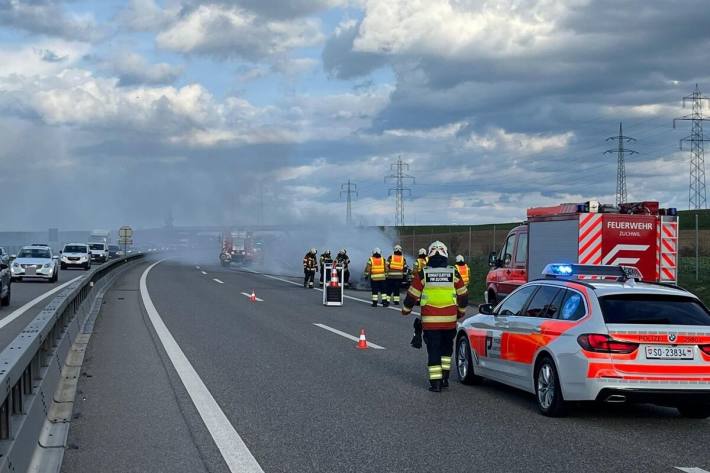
pixel 5 279
pixel 75 255
pixel 114 251
pixel 593 333
pixel 35 262
pixel 99 252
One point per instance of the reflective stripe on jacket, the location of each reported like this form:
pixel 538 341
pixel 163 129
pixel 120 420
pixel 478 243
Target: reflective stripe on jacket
pixel 443 296
pixel 464 272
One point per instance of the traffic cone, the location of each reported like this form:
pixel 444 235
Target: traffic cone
pixel 362 343
pixel 252 297
pixel 334 277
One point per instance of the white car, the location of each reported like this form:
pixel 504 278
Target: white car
pixel 75 255
pixel 35 262
pixel 99 252
pixel 593 333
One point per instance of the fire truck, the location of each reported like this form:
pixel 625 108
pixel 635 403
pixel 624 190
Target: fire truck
pixel 237 247
pixel 639 234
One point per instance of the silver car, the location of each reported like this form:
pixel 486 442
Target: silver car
pixel 36 262
pixel 593 333
pixel 75 255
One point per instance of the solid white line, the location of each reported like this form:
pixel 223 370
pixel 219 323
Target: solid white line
pixel 18 312
pixel 691 470
pixel 249 295
pixel 203 272
pixel 348 336
pixel 398 309
pixel 218 281
pixel 230 444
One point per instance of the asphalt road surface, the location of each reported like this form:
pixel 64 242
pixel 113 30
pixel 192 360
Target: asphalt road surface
pixel 28 299
pixel 299 397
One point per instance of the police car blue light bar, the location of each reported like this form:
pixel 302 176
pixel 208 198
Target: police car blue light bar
pixel 562 270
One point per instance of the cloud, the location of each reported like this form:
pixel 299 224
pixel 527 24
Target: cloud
pixel 147 15
pixel 225 32
pixel 341 60
pixel 133 69
pixel 48 17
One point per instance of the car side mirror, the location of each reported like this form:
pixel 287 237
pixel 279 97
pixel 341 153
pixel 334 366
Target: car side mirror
pixel 493 259
pixel 486 309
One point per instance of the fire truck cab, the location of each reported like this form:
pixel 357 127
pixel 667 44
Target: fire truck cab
pixel 636 234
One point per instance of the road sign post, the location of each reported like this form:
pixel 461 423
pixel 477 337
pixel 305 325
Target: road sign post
pixel 125 238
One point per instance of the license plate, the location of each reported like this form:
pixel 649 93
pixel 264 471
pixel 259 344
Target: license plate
pixel 30 270
pixel 660 352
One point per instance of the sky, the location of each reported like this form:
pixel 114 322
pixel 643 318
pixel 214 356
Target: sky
pixel 230 112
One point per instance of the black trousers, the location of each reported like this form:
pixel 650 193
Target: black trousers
pixel 378 288
pixel 393 288
pixel 308 277
pixel 439 348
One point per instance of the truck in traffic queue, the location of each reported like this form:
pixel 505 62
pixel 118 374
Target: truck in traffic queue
pixel 237 247
pixel 639 234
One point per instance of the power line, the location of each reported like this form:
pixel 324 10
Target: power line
pixel 399 177
pixel 621 194
pixel 350 190
pixel 697 196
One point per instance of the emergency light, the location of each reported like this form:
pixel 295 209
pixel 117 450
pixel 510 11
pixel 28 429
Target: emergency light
pixel 620 273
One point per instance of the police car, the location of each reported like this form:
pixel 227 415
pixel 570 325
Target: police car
pixel 593 333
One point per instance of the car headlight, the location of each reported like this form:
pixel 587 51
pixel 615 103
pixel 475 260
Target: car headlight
pixel 15 265
pixel 46 265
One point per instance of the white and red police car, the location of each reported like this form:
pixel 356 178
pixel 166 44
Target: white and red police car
pixel 593 333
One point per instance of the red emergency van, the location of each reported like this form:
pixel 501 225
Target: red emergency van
pixel 636 234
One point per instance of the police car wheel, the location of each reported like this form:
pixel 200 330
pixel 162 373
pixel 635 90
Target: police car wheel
pixel 695 411
pixel 548 393
pixel 464 363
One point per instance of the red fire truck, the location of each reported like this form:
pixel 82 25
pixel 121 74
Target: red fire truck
pixel 237 247
pixel 635 234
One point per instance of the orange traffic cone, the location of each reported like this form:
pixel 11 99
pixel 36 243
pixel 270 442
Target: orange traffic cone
pixel 334 277
pixel 362 343
pixel 252 297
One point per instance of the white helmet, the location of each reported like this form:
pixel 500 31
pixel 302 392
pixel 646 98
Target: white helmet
pixel 459 259
pixel 422 252
pixel 397 248
pixel 376 251
pixel 438 248
pixel 314 251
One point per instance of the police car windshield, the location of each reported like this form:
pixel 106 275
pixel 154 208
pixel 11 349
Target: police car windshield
pixel 653 309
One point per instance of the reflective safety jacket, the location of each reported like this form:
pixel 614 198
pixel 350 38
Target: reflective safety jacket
pixel 343 260
pixel 309 262
pixel 443 297
pixel 395 266
pixel 464 272
pixel 376 268
pixel 420 263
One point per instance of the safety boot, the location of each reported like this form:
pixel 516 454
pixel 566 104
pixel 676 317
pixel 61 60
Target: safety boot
pixel 445 379
pixel 374 303
pixel 385 303
pixel 435 385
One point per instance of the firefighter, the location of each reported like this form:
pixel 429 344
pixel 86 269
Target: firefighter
pixel 444 298
pixel 396 269
pixel 463 269
pixel 310 268
pixel 325 258
pixel 343 260
pixel 420 261
pixel 375 270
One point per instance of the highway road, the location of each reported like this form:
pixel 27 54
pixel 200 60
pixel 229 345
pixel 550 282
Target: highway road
pixel 185 374
pixel 28 299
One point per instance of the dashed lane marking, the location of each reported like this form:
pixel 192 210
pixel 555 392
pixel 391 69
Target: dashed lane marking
pixel 12 316
pixel 348 336
pixel 249 295
pixel 365 301
pixel 197 267
pixel 218 281
pixel 203 272
pixel 235 453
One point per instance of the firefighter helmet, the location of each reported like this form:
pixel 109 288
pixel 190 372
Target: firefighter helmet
pixel 438 248
pixel 459 259
pixel 313 251
pixel 376 251
pixel 422 252
pixel 326 252
pixel 397 248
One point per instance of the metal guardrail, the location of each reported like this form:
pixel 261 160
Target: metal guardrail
pixel 30 366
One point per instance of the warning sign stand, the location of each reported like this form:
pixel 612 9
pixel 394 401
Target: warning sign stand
pixel 333 290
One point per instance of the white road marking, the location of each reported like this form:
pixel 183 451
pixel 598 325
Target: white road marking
pixel 218 281
pixel 12 316
pixel 230 444
pixel 397 308
pixel 197 267
pixel 691 470
pixel 249 295
pixel 348 336
pixel 203 273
